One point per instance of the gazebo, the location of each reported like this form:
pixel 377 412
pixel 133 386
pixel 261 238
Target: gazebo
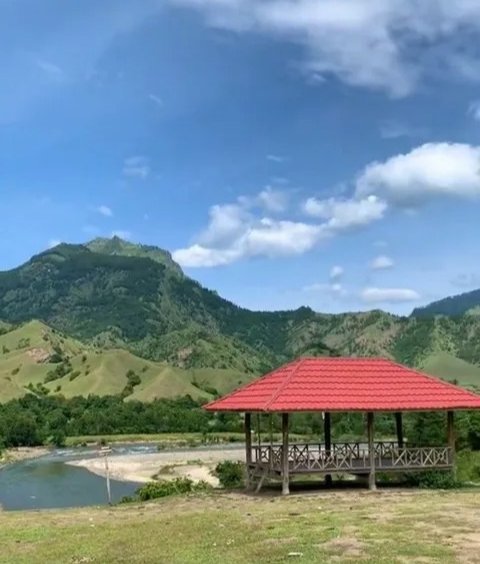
pixel 326 385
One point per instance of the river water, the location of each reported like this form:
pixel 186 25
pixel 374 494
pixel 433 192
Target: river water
pixel 47 482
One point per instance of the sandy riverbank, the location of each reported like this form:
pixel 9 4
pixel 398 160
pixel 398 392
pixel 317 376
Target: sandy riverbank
pixel 195 464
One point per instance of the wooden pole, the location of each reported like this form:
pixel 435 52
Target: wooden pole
pixel 399 425
pixel 248 449
pixel 327 431
pixel 451 438
pixel 105 451
pixel 371 452
pixel 285 469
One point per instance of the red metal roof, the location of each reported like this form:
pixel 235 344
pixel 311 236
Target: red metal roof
pixel 346 384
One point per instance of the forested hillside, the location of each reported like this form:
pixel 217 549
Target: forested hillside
pixel 111 298
pixel 466 303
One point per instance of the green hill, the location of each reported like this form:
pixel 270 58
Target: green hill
pixel 125 307
pixel 34 358
pixel 448 367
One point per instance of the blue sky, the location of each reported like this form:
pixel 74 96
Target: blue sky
pixel 287 152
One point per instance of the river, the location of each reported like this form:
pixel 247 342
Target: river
pixel 47 482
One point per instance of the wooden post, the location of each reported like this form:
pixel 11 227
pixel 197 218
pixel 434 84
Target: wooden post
pixel 451 438
pixel 285 469
pixel 371 452
pixel 327 431
pixel 248 449
pixel 105 452
pixel 399 425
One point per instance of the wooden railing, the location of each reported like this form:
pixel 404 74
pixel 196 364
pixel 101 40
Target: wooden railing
pixel 344 457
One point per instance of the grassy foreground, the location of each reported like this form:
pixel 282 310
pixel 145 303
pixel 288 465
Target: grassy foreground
pixel 342 526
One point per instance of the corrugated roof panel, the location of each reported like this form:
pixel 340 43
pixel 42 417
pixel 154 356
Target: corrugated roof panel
pixel 346 384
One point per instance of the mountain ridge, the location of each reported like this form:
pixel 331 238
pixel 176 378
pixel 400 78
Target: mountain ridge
pixel 111 294
pixel 457 305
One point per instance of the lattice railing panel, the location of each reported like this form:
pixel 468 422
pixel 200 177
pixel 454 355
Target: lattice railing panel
pixel 351 456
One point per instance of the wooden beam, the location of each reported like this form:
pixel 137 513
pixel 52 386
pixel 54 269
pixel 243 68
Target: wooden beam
pixel 451 437
pixel 248 449
pixel 327 431
pixel 285 468
pixel 371 452
pixel 399 426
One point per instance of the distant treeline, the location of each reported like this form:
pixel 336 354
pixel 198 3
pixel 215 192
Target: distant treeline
pixel 36 420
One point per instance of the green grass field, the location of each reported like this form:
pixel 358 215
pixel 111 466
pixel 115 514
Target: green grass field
pixel 343 526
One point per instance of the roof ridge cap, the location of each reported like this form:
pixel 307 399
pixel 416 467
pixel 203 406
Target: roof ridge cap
pixel 251 383
pixel 282 387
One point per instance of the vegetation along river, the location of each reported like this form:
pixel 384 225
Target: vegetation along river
pixel 48 482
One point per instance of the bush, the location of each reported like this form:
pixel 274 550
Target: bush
pixel 468 466
pixel 230 474
pixel 164 488
pixel 433 480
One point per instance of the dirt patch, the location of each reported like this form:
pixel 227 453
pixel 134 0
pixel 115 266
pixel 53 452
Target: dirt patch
pixel 38 355
pixel 467 546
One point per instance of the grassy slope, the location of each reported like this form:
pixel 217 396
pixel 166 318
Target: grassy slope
pixel 447 366
pixel 104 371
pixel 101 372
pixel 348 526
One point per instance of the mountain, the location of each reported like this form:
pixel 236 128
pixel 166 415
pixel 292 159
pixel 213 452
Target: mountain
pixel 466 303
pixel 117 246
pixel 116 300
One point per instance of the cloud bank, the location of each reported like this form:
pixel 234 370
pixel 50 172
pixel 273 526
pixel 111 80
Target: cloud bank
pixel 387 45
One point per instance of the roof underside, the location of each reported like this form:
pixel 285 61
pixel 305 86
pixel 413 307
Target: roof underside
pixel 346 384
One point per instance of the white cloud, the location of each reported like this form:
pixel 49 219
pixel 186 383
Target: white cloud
pixel 276 158
pixel 384 44
pixel 474 110
pixel 433 169
pixel 388 295
pixel 334 290
pixel 156 100
pixel 382 262
pixel 105 210
pixel 274 201
pixel 265 237
pixel 227 223
pixel 235 231
pixel 343 214
pixel 199 256
pixel 336 272
pixel 137 167
pixel 121 234
pixel 395 129
pixel 281 238
pixel 53 243
pixel 280 180
pixel 49 68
